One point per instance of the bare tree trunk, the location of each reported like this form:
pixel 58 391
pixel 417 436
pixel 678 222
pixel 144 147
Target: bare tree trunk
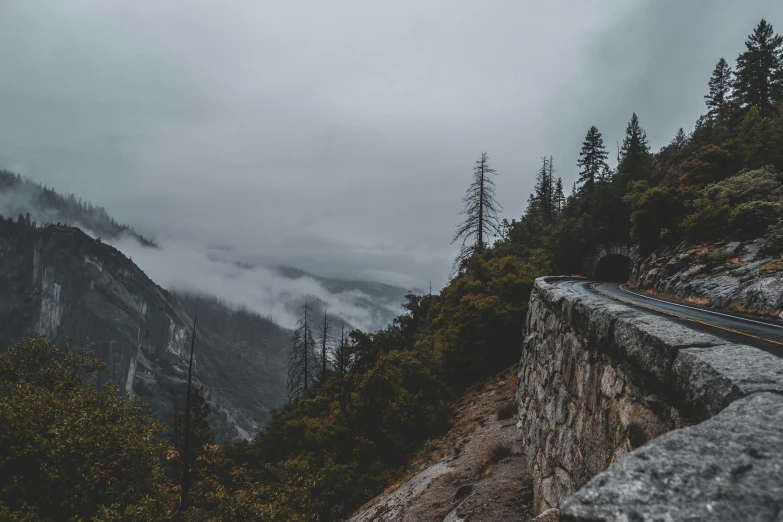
pixel 324 334
pixel 184 501
pixel 306 350
pixel 480 243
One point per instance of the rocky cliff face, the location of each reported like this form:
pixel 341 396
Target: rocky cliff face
pixel 742 277
pixel 601 385
pixel 59 282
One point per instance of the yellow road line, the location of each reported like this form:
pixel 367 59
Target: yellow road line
pixel 697 321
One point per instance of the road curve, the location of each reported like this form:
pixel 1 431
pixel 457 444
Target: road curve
pixel 764 334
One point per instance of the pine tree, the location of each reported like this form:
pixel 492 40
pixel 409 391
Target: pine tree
pixel 550 186
pixel 592 158
pixel 559 196
pixel 719 98
pixel 679 140
pixel 606 175
pixel 302 365
pixel 758 73
pixel 505 229
pixel 544 189
pixel 635 153
pixel 481 213
pixel 342 356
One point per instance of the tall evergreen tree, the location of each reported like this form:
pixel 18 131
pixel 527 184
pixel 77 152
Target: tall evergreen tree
pixel 481 213
pixel 545 189
pixel 758 69
pixel 342 356
pixel 551 185
pixel 606 175
pixel 635 153
pixel 719 98
pixel 592 158
pixel 679 140
pixel 559 195
pixel 302 365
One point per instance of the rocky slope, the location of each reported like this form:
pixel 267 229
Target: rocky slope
pixel 59 282
pixel 475 472
pixel 742 277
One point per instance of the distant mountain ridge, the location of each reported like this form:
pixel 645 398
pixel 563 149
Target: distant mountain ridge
pixel 20 196
pixel 44 205
pixel 383 301
pixel 59 282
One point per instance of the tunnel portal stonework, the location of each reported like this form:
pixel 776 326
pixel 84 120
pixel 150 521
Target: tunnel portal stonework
pixel 591 260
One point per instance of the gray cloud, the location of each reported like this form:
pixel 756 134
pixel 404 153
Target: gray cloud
pixel 186 268
pixel 338 136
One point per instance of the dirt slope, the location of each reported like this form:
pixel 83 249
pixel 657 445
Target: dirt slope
pixel 474 473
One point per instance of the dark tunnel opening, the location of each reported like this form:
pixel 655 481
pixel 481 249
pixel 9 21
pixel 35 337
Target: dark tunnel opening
pixel 613 267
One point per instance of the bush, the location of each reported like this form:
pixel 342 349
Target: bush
pixel 506 410
pixel 752 219
pixel 478 330
pixel 74 451
pixel 716 257
pixel 496 453
pixel 740 207
pixel 774 237
pixel 654 210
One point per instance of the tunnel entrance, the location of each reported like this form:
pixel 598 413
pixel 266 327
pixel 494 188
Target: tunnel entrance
pixel 614 267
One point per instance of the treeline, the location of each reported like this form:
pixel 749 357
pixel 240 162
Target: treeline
pixel 363 406
pixel 37 203
pixel 720 181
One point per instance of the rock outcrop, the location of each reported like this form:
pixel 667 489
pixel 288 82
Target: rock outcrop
pixel 601 385
pixel 61 283
pixel 743 277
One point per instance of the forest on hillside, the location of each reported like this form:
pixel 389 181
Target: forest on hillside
pixel 363 404
pixel 24 199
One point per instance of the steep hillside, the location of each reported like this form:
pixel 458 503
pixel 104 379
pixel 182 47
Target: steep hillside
pixel 369 305
pixel 474 472
pixel 44 205
pixel 59 282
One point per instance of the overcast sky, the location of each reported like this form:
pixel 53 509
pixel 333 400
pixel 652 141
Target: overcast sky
pixel 339 136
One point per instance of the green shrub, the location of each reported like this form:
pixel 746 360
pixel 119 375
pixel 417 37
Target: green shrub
pixel 717 257
pixel 774 236
pixel 506 410
pixel 653 210
pixel 74 451
pixel 739 207
pixel 752 219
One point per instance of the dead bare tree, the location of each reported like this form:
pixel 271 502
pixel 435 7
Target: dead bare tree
pixel 184 501
pixel 302 364
pixel 326 342
pixel 481 213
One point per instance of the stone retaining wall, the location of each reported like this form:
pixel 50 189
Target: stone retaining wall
pixel 601 384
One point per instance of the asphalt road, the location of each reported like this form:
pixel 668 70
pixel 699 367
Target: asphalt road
pixel 760 333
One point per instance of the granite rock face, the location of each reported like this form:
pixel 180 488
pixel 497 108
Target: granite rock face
pixel 601 384
pixel 73 289
pixel 734 276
